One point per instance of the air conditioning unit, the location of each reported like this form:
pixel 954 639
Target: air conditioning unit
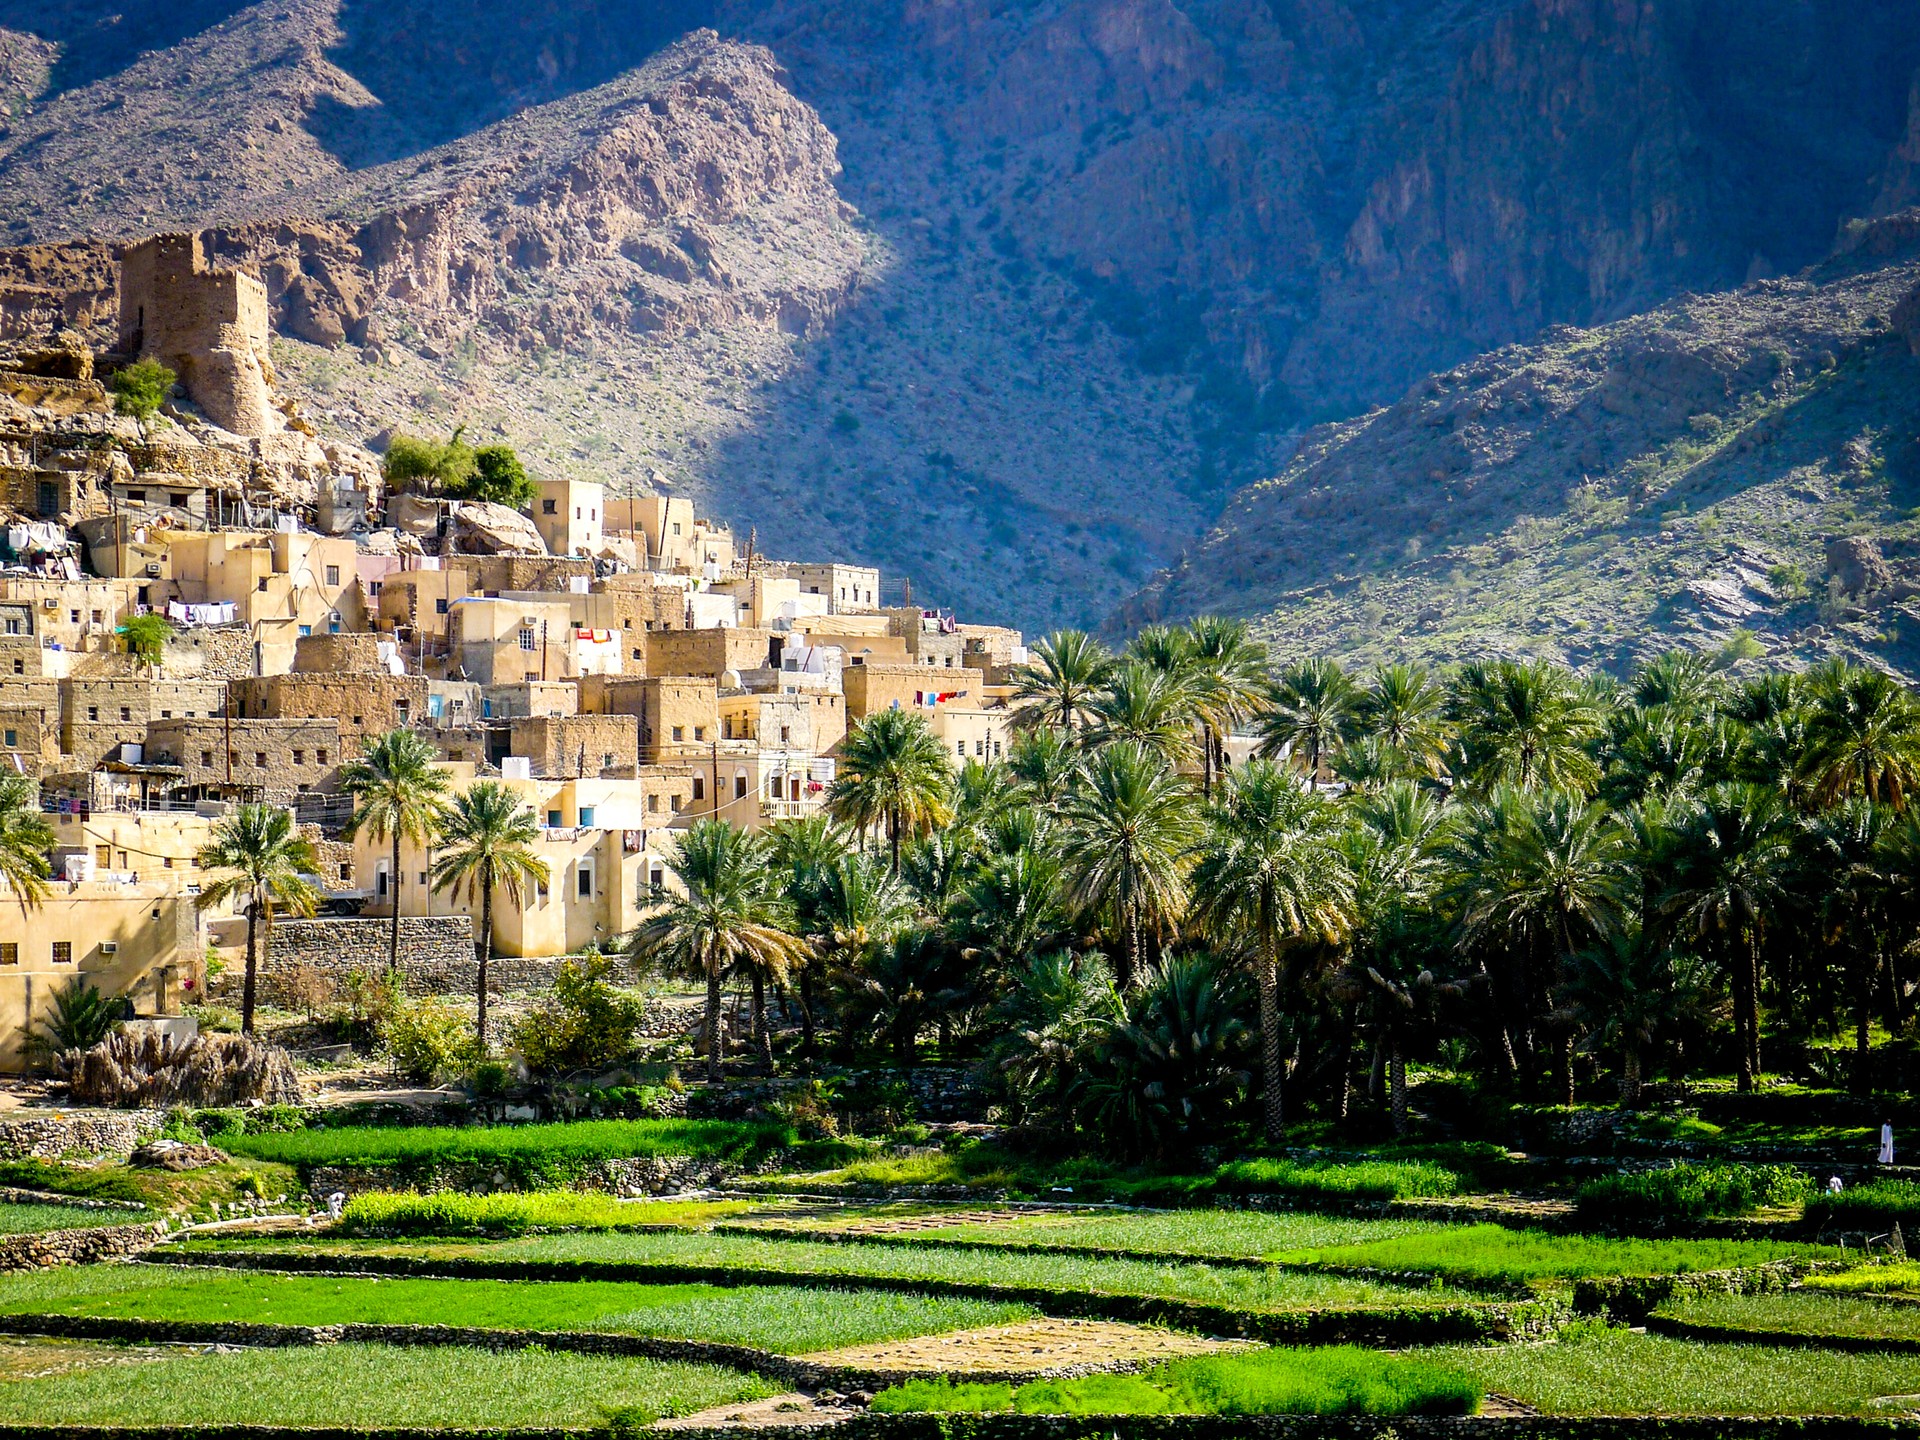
pixel 109 947
pixel 49 602
pixel 153 569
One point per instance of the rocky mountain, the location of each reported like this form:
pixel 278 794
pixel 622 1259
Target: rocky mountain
pixel 1738 472
pixel 1004 295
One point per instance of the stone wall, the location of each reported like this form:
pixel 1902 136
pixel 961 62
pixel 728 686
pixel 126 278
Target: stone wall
pixel 640 1175
pixel 48 1248
pixel 78 1132
pixel 436 953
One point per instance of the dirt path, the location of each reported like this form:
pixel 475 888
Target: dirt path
pixel 793 1408
pixel 1034 1347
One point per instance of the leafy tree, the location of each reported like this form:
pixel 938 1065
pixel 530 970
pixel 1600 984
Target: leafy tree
pixel 587 1023
pixel 145 637
pixel 1271 880
pixel 1128 828
pixel 399 794
pixel 496 477
pixel 262 859
pixel 731 918
pixel 893 772
pixel 26 839
pixel 486 844
pixel 140 389
pixel 1058 684
pixel 429 467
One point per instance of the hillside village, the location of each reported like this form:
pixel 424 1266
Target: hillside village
pixel 625 665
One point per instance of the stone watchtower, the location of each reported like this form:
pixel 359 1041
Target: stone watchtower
pixel 208 326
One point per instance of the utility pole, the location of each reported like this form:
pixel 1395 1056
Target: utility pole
pixel 716 777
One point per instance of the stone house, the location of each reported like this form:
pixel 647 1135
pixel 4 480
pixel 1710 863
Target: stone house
pixel 77 615
pixel 715 652
pixel 679 714
pixel 361 705
pixel 567 513
pixel 99 718
pixel 849 589
pixel 285 584
pixel 872 688
pixel 254 759
pixel 497 641
pixel 972 731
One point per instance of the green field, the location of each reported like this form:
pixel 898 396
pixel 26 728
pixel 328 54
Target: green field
pixel 1813 1314
pixel 447 1212
pixel 1616 1372
pixel 788 1320
pixel 30 1219
pixel 1236 1287
pixel 360 1386
pixel 1335 1380
pixel 521 1149
pixel 1486 1254
pixel 1236 1234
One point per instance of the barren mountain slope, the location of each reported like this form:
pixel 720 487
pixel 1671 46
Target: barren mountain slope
pixel 1108 255
pixel 1674 478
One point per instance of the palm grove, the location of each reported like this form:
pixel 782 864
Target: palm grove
pixel 1547 879
pixel 1555 880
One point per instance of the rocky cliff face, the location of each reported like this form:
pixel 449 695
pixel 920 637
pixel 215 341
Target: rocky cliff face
pixel 1090 263
pixel 1738 472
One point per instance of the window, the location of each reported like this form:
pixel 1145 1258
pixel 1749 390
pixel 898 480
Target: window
pixel 586 816
pixel 99 617
pixel 423 878
pixel 526 637
pixel 549 507
pixel 676 804
pixel 373 588
pixel 786 734
pixel 606 760
pixel 679 734
pixel 699 732
pixel 676 527
pixel 126 712
pixel 657 879
pixel 262 585
pixel 259 759
pixel 333 574
pixel 9 953
pixel 136 497
pixel 356 720
pixel 553 819
pixel 346 870
pixel 320 755
pixel 980 747
pixel 699 787
pixel 93 712
pixel 13 738
pixel 299 757
pixel 576 512
pixel 380 882
pixel 740 785
pixel 653 804
pixel 583 880
pixel 440 607
pixel 206 758
pixel 166 714
pixel 73 616
pixel 19 667
pixel 63 952
pixel 177 499
pixel 145 596
pixel 103 856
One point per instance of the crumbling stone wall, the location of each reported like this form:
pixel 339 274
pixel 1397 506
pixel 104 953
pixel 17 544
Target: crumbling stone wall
pixel 48 1248
pixel 208 326
pixel 436 953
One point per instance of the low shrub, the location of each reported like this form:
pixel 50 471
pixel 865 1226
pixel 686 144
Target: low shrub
pixel 385 1212
pixel 1876 1205
pixel 587 1023
pixel 1690 1192
pixel 86 1184
pixel 532 1155
pixel 1340 1181
pixel 1333 1380
pixel 430 1040
pixel 1902 1278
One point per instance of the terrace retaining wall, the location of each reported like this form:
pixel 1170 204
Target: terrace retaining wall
pixel 639 1175
pixel 78 1132
pixel 44 1249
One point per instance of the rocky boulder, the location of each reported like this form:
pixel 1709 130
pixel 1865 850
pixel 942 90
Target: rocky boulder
pixel 480 527
pixel 1856 563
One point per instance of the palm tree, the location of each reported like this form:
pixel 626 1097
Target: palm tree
pixel 1402 709
pixel 1308 712
pixel 804 850
pixel 486 838
pixel 1271 879
pixel 732 917
pixel 399 794
pixel 1552 880
pixel 1126 833
pixel 1163 648
pixel 1864 735
pixel 25 840
pixel 861 904
pixel 1232 668
pixel 1733 849
pixel 266 860
pixel 903 985
pixel 1044 762
pixel 1529 726
pixel 1623 990
pixel 1677 680
pixel 893 771
pixel 1849 845
pixel 1143 706
pixel 1058 684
